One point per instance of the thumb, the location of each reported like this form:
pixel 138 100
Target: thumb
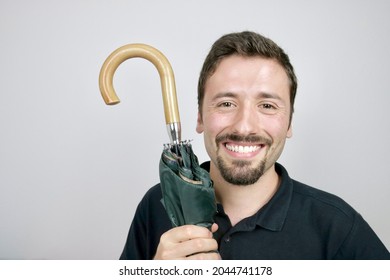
pixel 214 228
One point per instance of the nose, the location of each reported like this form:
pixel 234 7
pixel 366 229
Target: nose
pixel 246 121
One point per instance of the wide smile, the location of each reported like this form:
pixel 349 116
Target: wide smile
pixel 242 150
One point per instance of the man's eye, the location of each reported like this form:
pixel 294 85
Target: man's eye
pixel 267 106
pixel 226 104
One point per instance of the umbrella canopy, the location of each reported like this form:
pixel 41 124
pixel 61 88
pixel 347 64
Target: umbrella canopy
pixel 187 190
pixel 188 193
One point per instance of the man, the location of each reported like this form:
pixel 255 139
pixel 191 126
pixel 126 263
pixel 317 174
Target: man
pixel 246 95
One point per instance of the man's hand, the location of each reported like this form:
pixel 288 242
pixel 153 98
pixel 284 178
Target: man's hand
pixel 188 242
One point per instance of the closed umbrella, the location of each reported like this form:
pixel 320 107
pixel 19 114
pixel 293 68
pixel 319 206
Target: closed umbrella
pixel 187 190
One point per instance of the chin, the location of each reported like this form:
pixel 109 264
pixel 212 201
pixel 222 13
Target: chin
pixel 241 172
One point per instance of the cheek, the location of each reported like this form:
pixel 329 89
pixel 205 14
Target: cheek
pixel 213 124
pixel 276 127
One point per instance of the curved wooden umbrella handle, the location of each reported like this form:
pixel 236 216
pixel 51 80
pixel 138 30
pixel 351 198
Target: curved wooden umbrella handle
pixel 171 110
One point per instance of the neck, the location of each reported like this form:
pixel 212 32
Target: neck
pixel 240 202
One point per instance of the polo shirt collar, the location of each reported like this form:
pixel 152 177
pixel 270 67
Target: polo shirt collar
pixel 272 215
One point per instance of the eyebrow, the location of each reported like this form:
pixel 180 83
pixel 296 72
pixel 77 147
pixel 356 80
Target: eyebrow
pixel 269 95
pixel 262 94
pixel 224 94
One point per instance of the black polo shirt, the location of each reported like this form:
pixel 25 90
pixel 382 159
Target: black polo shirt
pixel 299 222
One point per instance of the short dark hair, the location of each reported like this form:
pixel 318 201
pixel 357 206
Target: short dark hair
pixel 247 44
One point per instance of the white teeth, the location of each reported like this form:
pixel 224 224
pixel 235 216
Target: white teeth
pixel 242 149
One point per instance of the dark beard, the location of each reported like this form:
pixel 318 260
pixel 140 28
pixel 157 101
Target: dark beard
pixel 240 174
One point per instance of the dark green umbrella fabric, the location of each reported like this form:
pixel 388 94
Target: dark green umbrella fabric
pixel 188 193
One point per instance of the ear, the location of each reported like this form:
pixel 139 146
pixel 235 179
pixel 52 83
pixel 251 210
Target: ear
pixel 199 124
pixel 289 132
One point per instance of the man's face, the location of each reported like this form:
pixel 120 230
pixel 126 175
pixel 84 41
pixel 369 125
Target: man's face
pixel 245 117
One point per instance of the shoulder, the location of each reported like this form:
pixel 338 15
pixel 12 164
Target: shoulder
pixel 344 231
pixel 149 223
pixel 154 193
pixel 322 199
pixel 308 200
pixel 151 201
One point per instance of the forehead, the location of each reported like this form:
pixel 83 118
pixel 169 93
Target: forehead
pixel 248 74
pixel 248 68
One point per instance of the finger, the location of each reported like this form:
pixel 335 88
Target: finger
pixel 214 227
pixel 205 256
pixel 173 243
pixel 198 245
pixel 187 232
pixel 169 250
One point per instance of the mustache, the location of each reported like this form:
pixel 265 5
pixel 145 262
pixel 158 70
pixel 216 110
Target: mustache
pixel 243 138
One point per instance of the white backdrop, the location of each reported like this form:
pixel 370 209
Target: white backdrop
pixel 72 170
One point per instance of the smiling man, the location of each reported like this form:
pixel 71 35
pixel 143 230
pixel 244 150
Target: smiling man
pixel 245 118
pixel 246 96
